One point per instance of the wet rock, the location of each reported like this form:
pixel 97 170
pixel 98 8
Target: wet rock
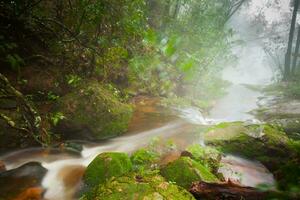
pixel 105 166
pixel 265 143
pixel 92 112
pixel 169 157
pixel 71 177
pixel 144 158
pixel 290 125
pixel 34 193
pixel 70 146
pixel 185 171
pixel 135 186
pixel 2 166
pixel 262 142
pixel 186 154
pixel 283 109
pixel 209 157
pixel 16 181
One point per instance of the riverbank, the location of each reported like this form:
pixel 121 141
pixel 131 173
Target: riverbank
pixel 150 151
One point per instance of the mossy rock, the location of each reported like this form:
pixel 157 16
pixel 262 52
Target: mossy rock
pixel 290 125
pixel 92 111
pixel 258 142
pixel 207 156
pixel 138 187
pixel 105 166
pixel 184 171
pixel 144 158
pixel 265 143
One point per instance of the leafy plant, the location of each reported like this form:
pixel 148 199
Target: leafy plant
pixel 52 97
pixel 57 117
pixel 73 80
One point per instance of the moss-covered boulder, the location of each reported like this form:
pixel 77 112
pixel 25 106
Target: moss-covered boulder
pixel 265 143
pixel 105 166
pixel 93 112
pixel 261 142
pixel 207 156
pixel 137 187
pixel 184 171
pixel 144 159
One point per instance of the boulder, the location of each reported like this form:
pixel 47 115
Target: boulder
pixel 2 166
pixel 184 171
pixel 144 158
pixel 92 112
pixel 207 156
pixel 105 166
pixel 17 181
pixel 138 187
pixel 265 143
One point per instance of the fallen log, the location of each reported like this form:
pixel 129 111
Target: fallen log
pixel 225 191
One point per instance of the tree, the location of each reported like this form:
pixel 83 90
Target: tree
pixel 295 58
pixel 287 66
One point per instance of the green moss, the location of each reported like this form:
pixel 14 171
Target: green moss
pixel 207 156
pixel 94 108
pixel 143 158
pixel 265 143
pixel 137 187
pixel 105 166
pixel 185 171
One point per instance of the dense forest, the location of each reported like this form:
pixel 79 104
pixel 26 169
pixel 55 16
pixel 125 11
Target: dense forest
pixel 105 99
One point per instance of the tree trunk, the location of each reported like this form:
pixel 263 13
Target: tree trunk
pixel 287 65
pixel 230 191
pixel 296 52
pixel 177 8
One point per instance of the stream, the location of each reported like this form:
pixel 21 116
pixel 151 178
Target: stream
pixel 181 124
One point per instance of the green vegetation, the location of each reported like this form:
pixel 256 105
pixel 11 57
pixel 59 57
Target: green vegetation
pixel 105 166
pixel 170 49
pixel 94 108
pixel 207 156
pixel 135 186
pixel 185 171
pixel 144 158
pixel 265 143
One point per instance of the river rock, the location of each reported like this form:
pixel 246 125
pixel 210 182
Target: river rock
pixel 2 166
pixel 144 158
pixel 34 193
pixel 16 181
pixel 92 112
pixel 139 187
pixel 209 157
pixel 184 171
pixel 265 143
pixel 105 166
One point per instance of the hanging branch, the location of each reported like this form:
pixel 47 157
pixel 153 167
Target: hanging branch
pixel 29 114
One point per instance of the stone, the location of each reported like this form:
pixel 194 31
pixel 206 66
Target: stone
pixel 184 171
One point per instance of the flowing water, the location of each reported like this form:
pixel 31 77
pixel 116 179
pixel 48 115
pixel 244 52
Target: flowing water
pixel 65 169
